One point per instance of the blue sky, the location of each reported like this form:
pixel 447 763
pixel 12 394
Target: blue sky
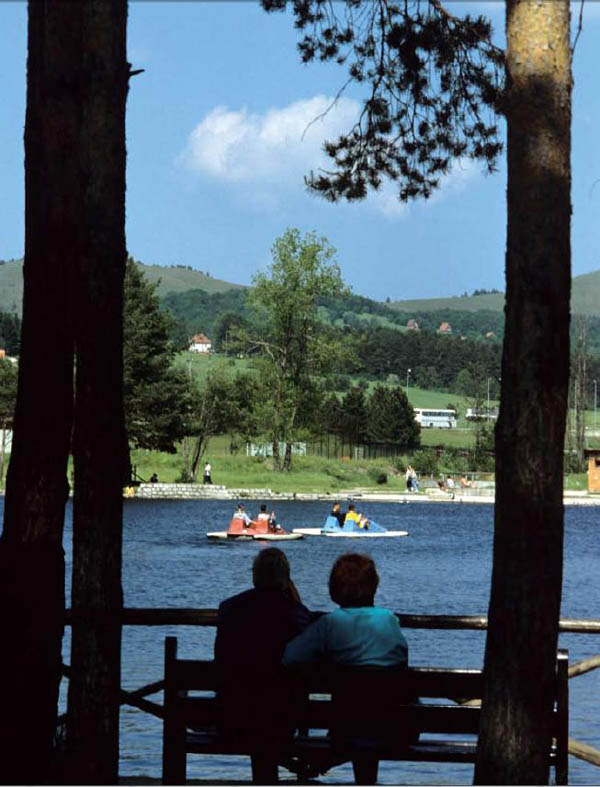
pixel 218 145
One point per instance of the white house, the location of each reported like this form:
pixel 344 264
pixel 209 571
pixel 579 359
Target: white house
pixel 200 344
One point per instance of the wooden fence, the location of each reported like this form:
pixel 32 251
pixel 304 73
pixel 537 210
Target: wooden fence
pixel 208 617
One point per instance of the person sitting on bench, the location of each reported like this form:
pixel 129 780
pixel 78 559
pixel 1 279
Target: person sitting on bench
pixel 356 634
pixel 253 628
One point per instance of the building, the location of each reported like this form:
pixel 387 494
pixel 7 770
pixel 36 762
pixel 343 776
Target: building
pixel 445 328
pixel 200 344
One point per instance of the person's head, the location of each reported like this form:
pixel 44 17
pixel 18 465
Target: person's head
pixel 351 506
pixel 353 580
pixel 240 507
pixel 336 507
pixel 271 570
pixel 263 509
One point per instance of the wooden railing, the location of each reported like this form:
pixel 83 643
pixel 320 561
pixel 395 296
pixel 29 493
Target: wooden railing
pixel 171 616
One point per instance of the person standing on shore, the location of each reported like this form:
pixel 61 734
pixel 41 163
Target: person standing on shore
pixel 207 473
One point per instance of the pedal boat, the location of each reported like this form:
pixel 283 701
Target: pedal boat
pixel 350 529
pixel 257 530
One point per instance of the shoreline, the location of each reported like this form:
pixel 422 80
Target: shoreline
pixel 476 496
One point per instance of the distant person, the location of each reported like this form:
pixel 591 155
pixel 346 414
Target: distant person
pixel 354 516
pixel 154 478
pixel 414 480
pixel 338 514
pixel 263 514
pixel 409 479
pixel 464 481
pixel 207 478
pixel 240 513
pixel 253 628
pixel 450 485
pixel 356 634
pixel 274 526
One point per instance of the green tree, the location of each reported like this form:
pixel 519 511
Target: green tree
pixel 10 333
pixel 157 396
pixel 294 345
pixel 353 420
pixel 8 399
pixel 390 418
pixel 213 403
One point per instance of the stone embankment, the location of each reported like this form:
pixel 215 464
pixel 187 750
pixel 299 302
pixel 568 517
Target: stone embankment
pixel 429 495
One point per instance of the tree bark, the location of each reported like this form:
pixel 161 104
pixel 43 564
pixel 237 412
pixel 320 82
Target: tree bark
pixel 31 554
pixel 526 583
pixel 99 444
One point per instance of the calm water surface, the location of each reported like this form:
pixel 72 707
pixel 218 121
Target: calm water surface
pixel 443 567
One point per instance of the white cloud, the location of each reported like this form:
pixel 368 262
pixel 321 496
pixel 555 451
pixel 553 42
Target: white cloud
pixel 461 173
pixel 266 156
pixel 277 147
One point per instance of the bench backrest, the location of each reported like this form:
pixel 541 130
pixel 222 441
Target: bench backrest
pixel 393 694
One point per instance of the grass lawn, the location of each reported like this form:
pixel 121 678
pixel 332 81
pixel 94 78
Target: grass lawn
pixel 308 474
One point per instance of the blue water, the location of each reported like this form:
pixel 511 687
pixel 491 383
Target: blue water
pixel 442 567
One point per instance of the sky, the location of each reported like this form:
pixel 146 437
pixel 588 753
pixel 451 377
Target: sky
pixel 220 135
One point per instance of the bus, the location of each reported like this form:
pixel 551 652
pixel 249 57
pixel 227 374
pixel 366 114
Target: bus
pixel 444 419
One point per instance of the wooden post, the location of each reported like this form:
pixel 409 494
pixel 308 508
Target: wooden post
pixel 562 711
pixel 174 756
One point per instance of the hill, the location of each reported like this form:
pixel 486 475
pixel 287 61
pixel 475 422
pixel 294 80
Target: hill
pixel 181 279
pixel 178 279
pixel 585 299
pixel 171 279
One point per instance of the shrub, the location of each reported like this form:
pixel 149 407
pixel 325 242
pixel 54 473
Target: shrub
pixel 426 462
pixel 378 475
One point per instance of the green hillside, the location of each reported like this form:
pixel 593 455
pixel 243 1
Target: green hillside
pixel 585 292
pixel 11 286
pixel 585 296
pixel 180 279
pixel 172 279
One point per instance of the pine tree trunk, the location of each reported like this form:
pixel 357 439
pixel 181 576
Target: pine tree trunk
pixel 31 554
pixel 528 543
pixel 99 445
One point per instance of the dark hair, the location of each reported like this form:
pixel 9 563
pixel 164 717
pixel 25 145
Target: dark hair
pixel 351 506
pixel 263 507
pixel 271 570
pixel 353 580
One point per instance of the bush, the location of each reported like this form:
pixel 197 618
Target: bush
pixel 426 462
pixel 378 475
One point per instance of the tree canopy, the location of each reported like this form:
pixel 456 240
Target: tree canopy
pixel 433 83
pixel 157 397
pixel 293 343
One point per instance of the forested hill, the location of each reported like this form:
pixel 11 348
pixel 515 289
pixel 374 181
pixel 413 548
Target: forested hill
pixel 178 280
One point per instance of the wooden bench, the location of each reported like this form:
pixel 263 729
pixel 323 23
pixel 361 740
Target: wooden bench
pixel 190 721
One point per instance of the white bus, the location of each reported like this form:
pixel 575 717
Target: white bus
pixel 444 419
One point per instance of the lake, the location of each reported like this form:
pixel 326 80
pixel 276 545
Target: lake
pixel 442 567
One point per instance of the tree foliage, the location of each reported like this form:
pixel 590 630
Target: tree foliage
pixel 10 333
pixel 390 418
pixel 157 397
pixel 294 345
pixel 433 83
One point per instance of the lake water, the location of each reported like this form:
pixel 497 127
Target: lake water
pixel 443 567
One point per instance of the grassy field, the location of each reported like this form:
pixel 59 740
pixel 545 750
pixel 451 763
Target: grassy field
pixel 308 474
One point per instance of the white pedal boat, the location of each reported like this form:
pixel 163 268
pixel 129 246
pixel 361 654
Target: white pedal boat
pixel 224 535
pixel 350 529
pixel 256 530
